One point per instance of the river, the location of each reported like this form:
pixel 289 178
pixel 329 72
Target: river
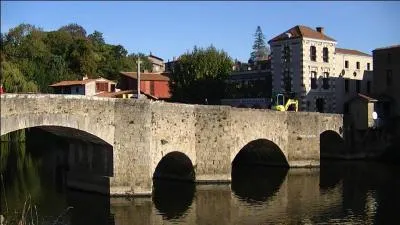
pixel 339 192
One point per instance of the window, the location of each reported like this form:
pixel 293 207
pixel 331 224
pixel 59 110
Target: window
pixel 389 58
pixel 368 66
pixel 325 54
pixel 112 87
pixel 286 53
pixel 313 53
pixel 313 80
pixel 388 77
pixel 325 81
pixel 346 64
pixel 77 90
pixel 358 65
pixel 358 84
pixel 152 87
pixel 101 86
pixel 368 87
pixel 346 85
pixel 287 82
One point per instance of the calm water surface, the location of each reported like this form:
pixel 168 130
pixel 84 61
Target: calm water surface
pixel 337 193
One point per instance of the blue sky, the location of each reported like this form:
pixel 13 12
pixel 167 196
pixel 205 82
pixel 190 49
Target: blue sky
pixel 168 29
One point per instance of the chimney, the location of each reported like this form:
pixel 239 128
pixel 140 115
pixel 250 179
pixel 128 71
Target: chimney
pixel 85 77
pixel 320 29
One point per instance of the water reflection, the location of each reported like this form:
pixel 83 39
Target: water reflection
pixel 173 198
pixel 347 192
pixel 256 184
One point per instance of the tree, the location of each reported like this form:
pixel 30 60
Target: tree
pixel 260 49
pixel 200 75
pixel 13 80
pixel 77 31
pixel 97 37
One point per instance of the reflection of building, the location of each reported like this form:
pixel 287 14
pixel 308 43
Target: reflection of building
pixel 85 86
pixel 152 84
pixel 306 61
pixel 387 80
pixel 249 85
pixel 157 63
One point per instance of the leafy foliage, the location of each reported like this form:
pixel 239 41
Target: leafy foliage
pixel 200 75
pixel 32 59
pixel 260 49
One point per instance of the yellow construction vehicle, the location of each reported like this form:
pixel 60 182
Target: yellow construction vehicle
pixel 285 102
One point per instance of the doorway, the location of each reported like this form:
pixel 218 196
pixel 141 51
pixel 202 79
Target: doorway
pixel 320 105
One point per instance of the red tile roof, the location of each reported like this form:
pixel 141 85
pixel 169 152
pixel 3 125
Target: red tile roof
pixel 350 52
pixel 300 31
pixel 72 82
pixel 147 76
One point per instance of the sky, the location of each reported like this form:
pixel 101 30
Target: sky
pixel 169 29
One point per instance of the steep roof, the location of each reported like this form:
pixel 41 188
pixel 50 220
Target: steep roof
pixel 301 31
pixel 147 76
pixel 350 52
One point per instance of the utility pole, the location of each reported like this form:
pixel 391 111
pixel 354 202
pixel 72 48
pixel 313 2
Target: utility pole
pixel 138 78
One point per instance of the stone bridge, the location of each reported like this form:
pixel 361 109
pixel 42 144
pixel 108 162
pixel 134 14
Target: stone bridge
pixel 146 138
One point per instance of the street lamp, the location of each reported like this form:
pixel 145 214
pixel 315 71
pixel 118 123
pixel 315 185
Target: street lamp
pixel 138 77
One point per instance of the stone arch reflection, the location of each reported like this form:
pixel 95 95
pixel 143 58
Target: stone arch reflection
pixel 256 184
pixel 172 198
pixel 258 171
pixel 173 185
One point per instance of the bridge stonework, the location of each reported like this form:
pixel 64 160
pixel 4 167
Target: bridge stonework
pixel 142 132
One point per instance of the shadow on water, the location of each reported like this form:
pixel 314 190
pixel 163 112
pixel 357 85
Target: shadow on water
pixel 173 198
pixel 256 184
pixel 89 208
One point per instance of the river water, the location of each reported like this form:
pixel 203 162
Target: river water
pixel 351 192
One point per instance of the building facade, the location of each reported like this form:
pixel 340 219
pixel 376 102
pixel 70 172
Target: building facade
pixel 157 63
pixel 307 62
pixel 387 79
pixel 152 84
pixel 89 87
pixel 249 85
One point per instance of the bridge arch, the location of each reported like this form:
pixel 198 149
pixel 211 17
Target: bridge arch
pixel 175 166
pixel 260 152
pixel 10 123
pixel 331 143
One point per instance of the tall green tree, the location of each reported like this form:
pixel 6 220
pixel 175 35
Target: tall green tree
pixel 38 58
pixel 199 75
pixel 260 48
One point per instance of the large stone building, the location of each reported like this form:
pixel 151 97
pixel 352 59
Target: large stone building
pixel 307 62
pixel 387 80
